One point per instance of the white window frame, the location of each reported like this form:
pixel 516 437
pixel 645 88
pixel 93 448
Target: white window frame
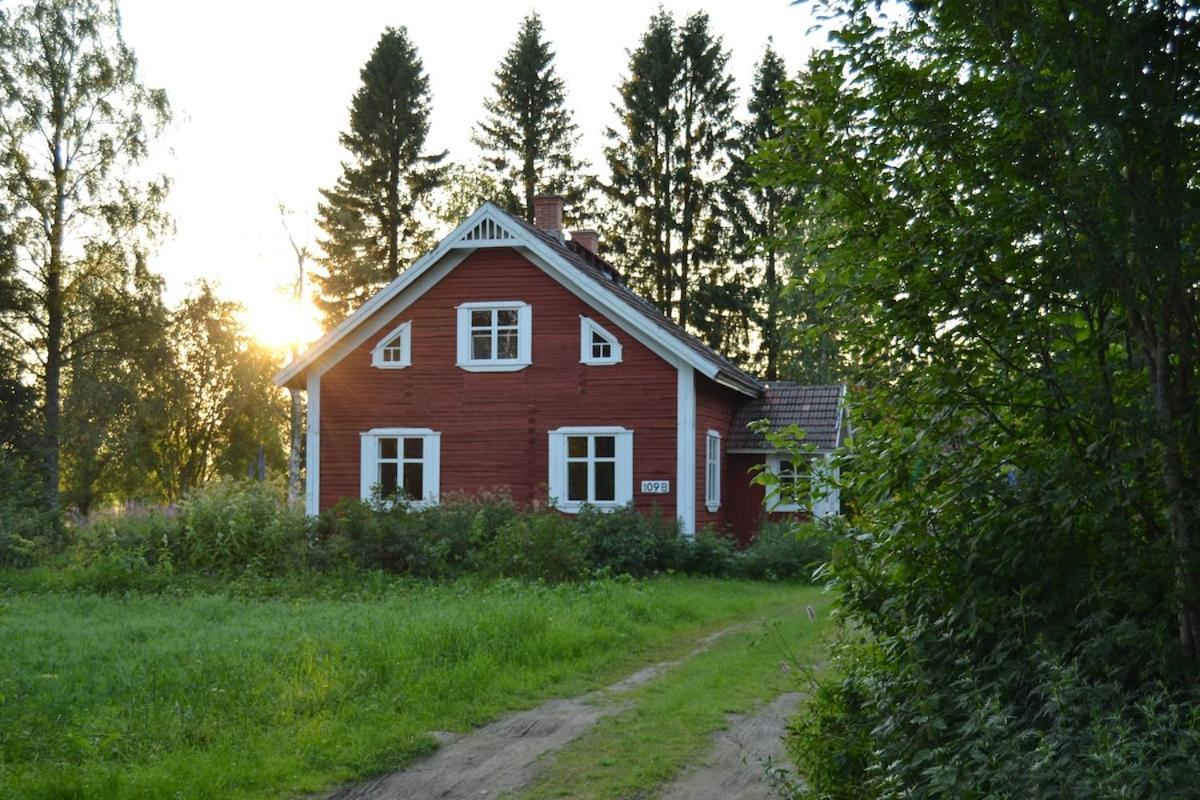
pixel 623 472
pixel 775 467
pixel 712 471
pixel 430 458
pixel 524 337
pixel 588 327
pixel 378 354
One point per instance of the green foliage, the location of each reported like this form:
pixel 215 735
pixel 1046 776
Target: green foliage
pixel 543 545
pixel 667 158
pixel 77 210
pixel 786 551
pixel 993 209
pixel 370 221
pixel 625 542
pixel 243 525
pixel 26 528
pixel 528 136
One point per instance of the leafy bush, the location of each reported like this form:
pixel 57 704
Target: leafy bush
pixel 544 545
pixel 24 524
pixel 786 551
pixel 625 542
pixel 709 553
pixel 237 525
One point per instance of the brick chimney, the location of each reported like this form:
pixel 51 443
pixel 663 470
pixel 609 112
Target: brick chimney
pixel 548 214
pixel 586 238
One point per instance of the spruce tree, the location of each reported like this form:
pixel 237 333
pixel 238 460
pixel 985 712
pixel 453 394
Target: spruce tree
pixel 528 136
pixel 668 159
pixel 759 207
pixel 370 220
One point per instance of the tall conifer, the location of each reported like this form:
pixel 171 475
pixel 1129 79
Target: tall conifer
pixel 370 220
pixel 668 158
pixel 528 136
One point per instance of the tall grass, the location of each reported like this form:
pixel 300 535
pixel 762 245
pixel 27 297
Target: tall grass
pixel 218 696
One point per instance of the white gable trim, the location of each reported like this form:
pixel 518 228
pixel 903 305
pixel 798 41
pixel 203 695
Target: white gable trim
pixel 464 239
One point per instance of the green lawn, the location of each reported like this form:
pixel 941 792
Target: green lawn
pixel 206 695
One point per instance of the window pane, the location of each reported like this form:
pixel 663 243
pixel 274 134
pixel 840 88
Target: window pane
pixel 506 344
pixel 606 481
pixel 414 473
pixel 387 479
pixel 577 447
pixel 606 446
pixel 396 342
pixel 481 319
pixel 577 481
pixel 391 354
pixel 506 316
pixel 481 346
pixel 413 448
pixel 787 472
pixel 387 448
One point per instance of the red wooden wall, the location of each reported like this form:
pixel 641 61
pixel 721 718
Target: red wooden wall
pixel 715 407
pixel 494 424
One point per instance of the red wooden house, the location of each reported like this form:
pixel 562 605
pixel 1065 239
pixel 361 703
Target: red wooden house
pixel 513 357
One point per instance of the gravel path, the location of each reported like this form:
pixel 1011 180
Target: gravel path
pixel 507 754
pixel 734 768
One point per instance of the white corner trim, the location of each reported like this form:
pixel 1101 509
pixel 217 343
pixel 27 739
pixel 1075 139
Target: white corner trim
pixel 312 464
pixel 465 361
pixel 588 327
pixel 404 331
pixel 685 450
pixel 714 480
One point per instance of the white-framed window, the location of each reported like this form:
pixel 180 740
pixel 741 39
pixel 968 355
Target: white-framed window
pixel 401 463
pixel 592 466
pixel 394 351
pixel 495 336
pixel 809 484
pixel 712 471
pixel 792 479
pixel 596 345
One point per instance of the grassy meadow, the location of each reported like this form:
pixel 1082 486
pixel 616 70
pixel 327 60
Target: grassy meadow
pixel 215 695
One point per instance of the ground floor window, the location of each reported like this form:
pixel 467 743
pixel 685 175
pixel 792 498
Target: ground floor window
pixel 592 466
pixel 401 463
pixel 805 485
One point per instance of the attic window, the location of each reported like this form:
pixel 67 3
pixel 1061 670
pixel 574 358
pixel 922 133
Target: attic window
pixel 596 345
pixel 394 351
pixel 494 336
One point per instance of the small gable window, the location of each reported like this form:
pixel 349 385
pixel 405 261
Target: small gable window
pixel 596 345
pixel 494 337
pixel 394 351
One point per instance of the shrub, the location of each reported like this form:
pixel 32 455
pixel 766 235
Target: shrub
pixel 237 525
pixel 625 542
pixel 24 524
pixel 786 551
pixel 709 553
pixel 543 545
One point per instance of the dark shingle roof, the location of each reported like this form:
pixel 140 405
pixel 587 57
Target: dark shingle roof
pixel 816 409
pixel 608 277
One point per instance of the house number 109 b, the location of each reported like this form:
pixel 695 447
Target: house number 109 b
pixel 656 487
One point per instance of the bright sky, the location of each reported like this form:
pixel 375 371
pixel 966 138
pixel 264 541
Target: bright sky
pixel 261 88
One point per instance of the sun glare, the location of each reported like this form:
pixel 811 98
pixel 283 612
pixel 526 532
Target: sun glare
pixel 275 322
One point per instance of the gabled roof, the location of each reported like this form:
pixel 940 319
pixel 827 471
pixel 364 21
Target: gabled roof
pixel 817 410
pixel 581 271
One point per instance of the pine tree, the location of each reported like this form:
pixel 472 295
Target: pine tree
pixel 668 160
pixel 528 137
pixel 757 238
pixel 370 219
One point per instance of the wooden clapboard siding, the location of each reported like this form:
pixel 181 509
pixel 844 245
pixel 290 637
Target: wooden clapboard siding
pixel 715 407
pixel 494 425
